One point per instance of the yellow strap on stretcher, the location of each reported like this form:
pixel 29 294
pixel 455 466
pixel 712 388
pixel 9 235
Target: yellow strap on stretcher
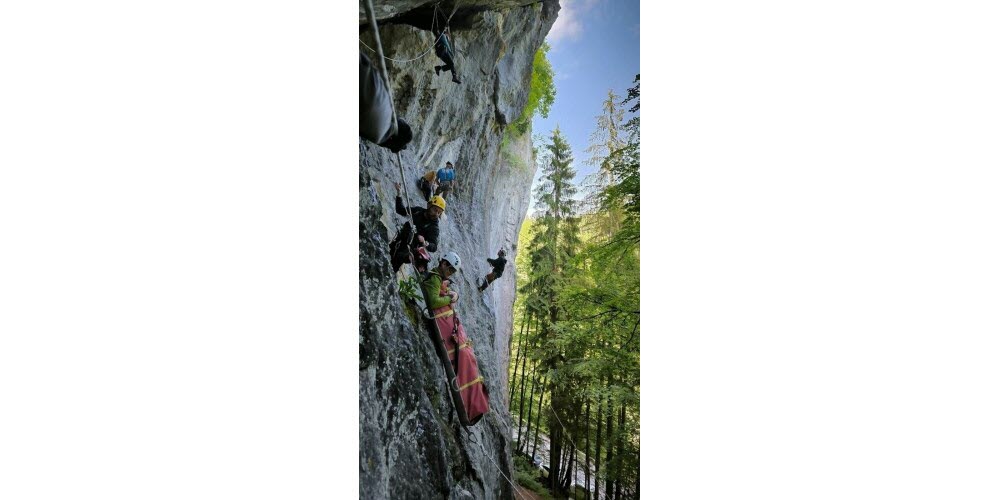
pixel 463 345
pixel 445 314
pixel 477 380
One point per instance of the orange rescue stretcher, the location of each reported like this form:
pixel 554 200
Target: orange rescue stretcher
pixel 468 391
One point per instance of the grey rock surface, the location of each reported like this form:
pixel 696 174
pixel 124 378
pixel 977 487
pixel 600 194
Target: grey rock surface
pixel 385 10
pixel 411 443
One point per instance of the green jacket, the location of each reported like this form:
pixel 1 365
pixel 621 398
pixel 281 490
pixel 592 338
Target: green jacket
pixel 432 290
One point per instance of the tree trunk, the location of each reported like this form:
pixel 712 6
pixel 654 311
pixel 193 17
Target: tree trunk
pixel 608 483
pixel 531 404
pixel 571 440
pixel 637 463
pixel 555 446
pixel 571 470
pixel 567 447
pixel 586 452
pixel 621 452
pixel 576 461
pixel 517 359
pixel 597 449
pixel 520 410
pixel 538 421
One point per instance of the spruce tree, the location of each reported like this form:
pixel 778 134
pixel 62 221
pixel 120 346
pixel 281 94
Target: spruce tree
pixel 605 140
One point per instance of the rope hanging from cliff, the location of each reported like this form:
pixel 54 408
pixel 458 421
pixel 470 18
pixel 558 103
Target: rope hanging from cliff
pixel 576 449
pixel 487 455
pixel 370 12
pixel 429 49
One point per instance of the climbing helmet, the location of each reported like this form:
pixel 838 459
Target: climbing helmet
pixel 452 259
pixel 437 201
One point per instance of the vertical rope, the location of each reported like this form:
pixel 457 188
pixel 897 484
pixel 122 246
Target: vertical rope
pixel 370 12
pixel 512 485
pixel 406 193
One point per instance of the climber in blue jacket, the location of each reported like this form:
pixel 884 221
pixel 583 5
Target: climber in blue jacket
pixel 443 49
pixel 439 181
pixel 445 179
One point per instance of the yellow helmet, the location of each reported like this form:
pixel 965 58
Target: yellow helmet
pixel 437 201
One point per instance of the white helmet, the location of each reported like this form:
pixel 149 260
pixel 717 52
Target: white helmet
pixel 452 259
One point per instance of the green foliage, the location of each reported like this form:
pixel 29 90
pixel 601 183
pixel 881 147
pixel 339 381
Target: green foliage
pixel 526 475
pixel 409 288
pixel 542 93
pixel 509 155
pixel 623 190
pixel 580 297
pixel 557 234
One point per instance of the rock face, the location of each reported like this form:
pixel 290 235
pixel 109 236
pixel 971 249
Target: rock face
pixel 412 445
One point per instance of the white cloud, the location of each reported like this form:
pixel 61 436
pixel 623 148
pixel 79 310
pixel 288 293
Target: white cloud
pixel 567 25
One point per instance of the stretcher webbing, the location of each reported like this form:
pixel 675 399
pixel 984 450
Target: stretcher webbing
pixel 463 345
pixel 474 381
pixel 444 314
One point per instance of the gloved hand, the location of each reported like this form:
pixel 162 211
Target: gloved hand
pixel 399 141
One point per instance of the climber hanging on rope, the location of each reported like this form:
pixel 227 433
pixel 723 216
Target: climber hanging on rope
pixel 443 49
pixel 426 240
pixel 438 181
pixel 498 265
pixel 376 112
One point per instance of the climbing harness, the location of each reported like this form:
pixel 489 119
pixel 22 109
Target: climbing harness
pixel 428 51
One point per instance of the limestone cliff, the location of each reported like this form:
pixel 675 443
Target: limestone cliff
pixel 412 445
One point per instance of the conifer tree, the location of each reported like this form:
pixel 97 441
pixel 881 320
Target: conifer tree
pixel 607 138
pixel 581 300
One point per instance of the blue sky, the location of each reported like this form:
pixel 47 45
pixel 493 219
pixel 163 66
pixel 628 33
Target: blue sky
pixel 595 47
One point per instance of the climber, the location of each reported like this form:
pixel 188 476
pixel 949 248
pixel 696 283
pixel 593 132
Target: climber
pixel 437 182
pixel 445 179
pixel 436 283
pixel 428 183
pixel 376 112
pixel 426 240
pixel 498 264
pixel 467 386
pixel 443 49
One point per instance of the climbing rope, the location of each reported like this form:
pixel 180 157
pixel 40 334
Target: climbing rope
pixel 487 455
pixel 429 49
pixel 433 24
pixel 370 12
pixel 576 449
